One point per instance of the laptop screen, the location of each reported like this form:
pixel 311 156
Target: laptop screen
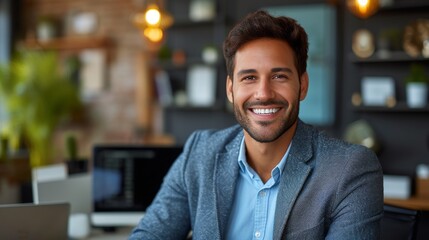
pixel 127 178
pixel 34 221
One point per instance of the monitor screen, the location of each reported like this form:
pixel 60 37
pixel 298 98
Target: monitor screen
pixel 125 181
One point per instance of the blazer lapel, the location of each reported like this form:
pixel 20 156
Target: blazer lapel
pixel 226 175
pixel 293 177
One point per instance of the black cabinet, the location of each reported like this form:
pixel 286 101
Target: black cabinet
pixel 402 131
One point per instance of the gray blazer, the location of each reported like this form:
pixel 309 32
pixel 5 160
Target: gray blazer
pixel 329 190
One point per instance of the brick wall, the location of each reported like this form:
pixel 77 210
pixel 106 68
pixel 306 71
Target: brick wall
pixel 113 113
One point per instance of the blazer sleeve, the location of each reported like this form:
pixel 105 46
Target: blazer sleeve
pixel 168 216
pixel 358 205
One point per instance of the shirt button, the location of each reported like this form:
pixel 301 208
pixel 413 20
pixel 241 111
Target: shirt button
pixel 257 234
pixel 262 194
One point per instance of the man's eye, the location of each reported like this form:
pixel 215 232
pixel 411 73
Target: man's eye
pixel 249 78
pixel 280 76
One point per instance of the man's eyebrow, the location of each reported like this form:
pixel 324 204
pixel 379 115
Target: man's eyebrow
pixel 246 71
pixel 274 70
pixel 280 69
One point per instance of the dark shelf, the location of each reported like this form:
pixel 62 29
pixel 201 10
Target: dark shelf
pixel 189 108
pixel 67 43
pixel 396 56
pixel 400 107
pixel 406 6
pixel 192 24
pixel 169 65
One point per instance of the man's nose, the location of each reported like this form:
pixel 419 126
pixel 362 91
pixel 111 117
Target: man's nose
pixel 264 90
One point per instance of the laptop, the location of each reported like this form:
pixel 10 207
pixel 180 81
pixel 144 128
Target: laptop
pixel 34 221
pixel 75 189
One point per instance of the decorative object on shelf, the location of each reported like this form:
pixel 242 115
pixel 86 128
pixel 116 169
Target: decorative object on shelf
pixel 422 181
pixel 37 98
pixel 92 74
pixel 210 54
pixel 75 164
pixel 201 85
pixel 202 10
pixel 180 98
pixel 84 22
pixel 417 86
pixel 363 8
pixel 360 132
pixel 356 99
pixel 47 28
pixel 416 38
pixel 163 87
pixel 153 20
pixel 388 41
pixel 378 91
pixel 164 54
pixel 363 43
pixel 179 57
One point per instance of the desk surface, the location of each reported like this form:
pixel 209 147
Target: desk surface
pixel 120 234
pixel 414 203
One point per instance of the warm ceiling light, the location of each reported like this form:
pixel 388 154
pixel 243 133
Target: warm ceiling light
pixel 363 8
pixel 152 21
pixel 152 15
pixel 154 34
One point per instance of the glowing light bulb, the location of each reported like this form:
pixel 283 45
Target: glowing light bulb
pixel 154 34
pixel 363 8
pixel 153 16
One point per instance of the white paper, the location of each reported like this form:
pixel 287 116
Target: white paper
pixel 377 90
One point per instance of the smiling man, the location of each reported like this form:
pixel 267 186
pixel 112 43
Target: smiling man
pixel 272 176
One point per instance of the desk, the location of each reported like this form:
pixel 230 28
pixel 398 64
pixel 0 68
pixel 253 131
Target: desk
pixel 414 203
pixel 121 233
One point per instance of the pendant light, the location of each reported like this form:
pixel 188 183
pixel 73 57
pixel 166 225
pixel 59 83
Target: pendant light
pixel 152 21
pixel 363 8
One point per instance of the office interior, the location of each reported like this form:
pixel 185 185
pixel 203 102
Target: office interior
pixel 139 85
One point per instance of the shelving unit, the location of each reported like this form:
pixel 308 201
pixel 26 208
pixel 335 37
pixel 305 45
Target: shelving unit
pixel 402 131
pixel 67 43
pixel 191 37
pixel 398 108
pixel 394 56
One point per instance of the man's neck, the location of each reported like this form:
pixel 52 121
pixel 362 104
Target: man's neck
pixel 263 157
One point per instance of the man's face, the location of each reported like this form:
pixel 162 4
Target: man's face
pixel 266 89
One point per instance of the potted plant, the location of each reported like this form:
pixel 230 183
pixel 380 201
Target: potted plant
pixel 74 163
pixel 417 86
pixel 37 96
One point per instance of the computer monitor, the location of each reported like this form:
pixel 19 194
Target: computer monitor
pixel 126 180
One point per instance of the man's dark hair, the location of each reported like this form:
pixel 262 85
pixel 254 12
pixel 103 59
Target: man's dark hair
pixel 260 24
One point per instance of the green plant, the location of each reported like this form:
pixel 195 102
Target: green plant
pixel 417 74
pixel 71 147
pixel 37 97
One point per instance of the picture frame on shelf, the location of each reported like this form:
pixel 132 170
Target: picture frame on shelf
pixel 201 85
pixel 378 91
pixel 93 73
pixel 202 10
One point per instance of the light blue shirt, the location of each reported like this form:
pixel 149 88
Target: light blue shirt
pixel 254 205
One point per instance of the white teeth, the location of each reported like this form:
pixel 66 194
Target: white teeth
pixel 265 110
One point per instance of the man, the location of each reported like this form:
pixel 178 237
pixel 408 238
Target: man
pixel 272 177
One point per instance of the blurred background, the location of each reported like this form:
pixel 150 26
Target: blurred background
pixel 76 73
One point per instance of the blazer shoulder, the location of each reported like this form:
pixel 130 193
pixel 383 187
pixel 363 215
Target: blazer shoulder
pixel 214 137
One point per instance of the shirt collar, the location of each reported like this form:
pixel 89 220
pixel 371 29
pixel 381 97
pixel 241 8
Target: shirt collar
pixel 244 166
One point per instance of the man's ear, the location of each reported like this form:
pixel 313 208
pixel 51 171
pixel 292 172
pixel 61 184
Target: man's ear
pixel 229 89
pixel 304 82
